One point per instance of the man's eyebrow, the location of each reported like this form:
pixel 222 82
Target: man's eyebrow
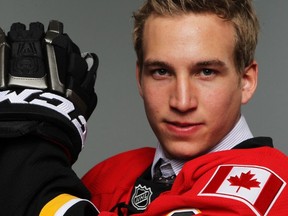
pixel 211 63
pixel 205 63
pixel 156 63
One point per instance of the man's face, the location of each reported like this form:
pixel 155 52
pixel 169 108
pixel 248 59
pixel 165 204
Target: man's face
pixel 191 90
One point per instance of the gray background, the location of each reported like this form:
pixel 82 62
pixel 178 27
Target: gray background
pixel 119 122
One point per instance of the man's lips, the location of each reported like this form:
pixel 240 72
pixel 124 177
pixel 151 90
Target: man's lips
pixel 182 128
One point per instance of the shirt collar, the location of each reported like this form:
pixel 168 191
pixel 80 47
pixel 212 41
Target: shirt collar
pixel 238 134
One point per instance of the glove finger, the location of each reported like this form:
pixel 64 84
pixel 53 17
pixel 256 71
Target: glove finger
pixel 64 48
pixel 27 66
pixel 90 79
pixel 15 30
pixel 77 68
pixel 63 41
pixel 89 82
pixel 36 30
pixel 81 83
pixel 18 32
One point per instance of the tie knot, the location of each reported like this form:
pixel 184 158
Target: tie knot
pixel 163 172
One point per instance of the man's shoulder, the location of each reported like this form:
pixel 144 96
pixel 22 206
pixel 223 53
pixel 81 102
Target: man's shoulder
pixel 265 159
pixel 138 154
pixel 247 179
pixel 264 156
pixel 133 161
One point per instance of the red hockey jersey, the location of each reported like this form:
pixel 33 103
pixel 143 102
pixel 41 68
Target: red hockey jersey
pixel 234 182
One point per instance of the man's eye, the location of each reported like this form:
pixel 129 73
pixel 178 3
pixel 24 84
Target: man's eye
pixel 160 72
pixel 207 72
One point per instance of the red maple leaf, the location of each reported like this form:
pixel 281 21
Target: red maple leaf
pixel 246 181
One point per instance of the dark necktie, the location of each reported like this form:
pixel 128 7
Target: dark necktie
pixel 158 176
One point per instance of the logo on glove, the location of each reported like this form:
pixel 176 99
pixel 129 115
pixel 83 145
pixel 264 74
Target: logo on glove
pixel 48 100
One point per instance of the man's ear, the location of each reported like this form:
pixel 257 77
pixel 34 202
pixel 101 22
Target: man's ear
pixel 249 82
pixel 138 78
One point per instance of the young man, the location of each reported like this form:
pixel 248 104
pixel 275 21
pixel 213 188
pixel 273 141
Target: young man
pixel 195 70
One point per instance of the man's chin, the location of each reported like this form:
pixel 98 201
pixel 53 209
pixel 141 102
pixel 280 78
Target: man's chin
pixel 182 152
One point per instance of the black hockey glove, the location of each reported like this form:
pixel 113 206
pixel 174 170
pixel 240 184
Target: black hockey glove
pixel 45 79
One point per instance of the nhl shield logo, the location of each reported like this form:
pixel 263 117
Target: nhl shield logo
pixel 141 197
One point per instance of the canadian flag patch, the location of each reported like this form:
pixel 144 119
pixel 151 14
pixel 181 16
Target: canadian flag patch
pixel 257 187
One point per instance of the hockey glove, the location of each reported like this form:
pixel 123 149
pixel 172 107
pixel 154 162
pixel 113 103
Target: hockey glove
pixel 44 78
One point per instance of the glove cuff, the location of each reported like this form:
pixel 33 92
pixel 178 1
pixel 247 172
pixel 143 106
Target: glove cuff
pixel 35 104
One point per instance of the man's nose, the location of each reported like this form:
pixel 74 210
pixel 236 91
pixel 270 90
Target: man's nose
pixel 183 96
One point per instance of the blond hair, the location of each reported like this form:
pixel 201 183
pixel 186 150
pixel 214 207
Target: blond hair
pixel 239 12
